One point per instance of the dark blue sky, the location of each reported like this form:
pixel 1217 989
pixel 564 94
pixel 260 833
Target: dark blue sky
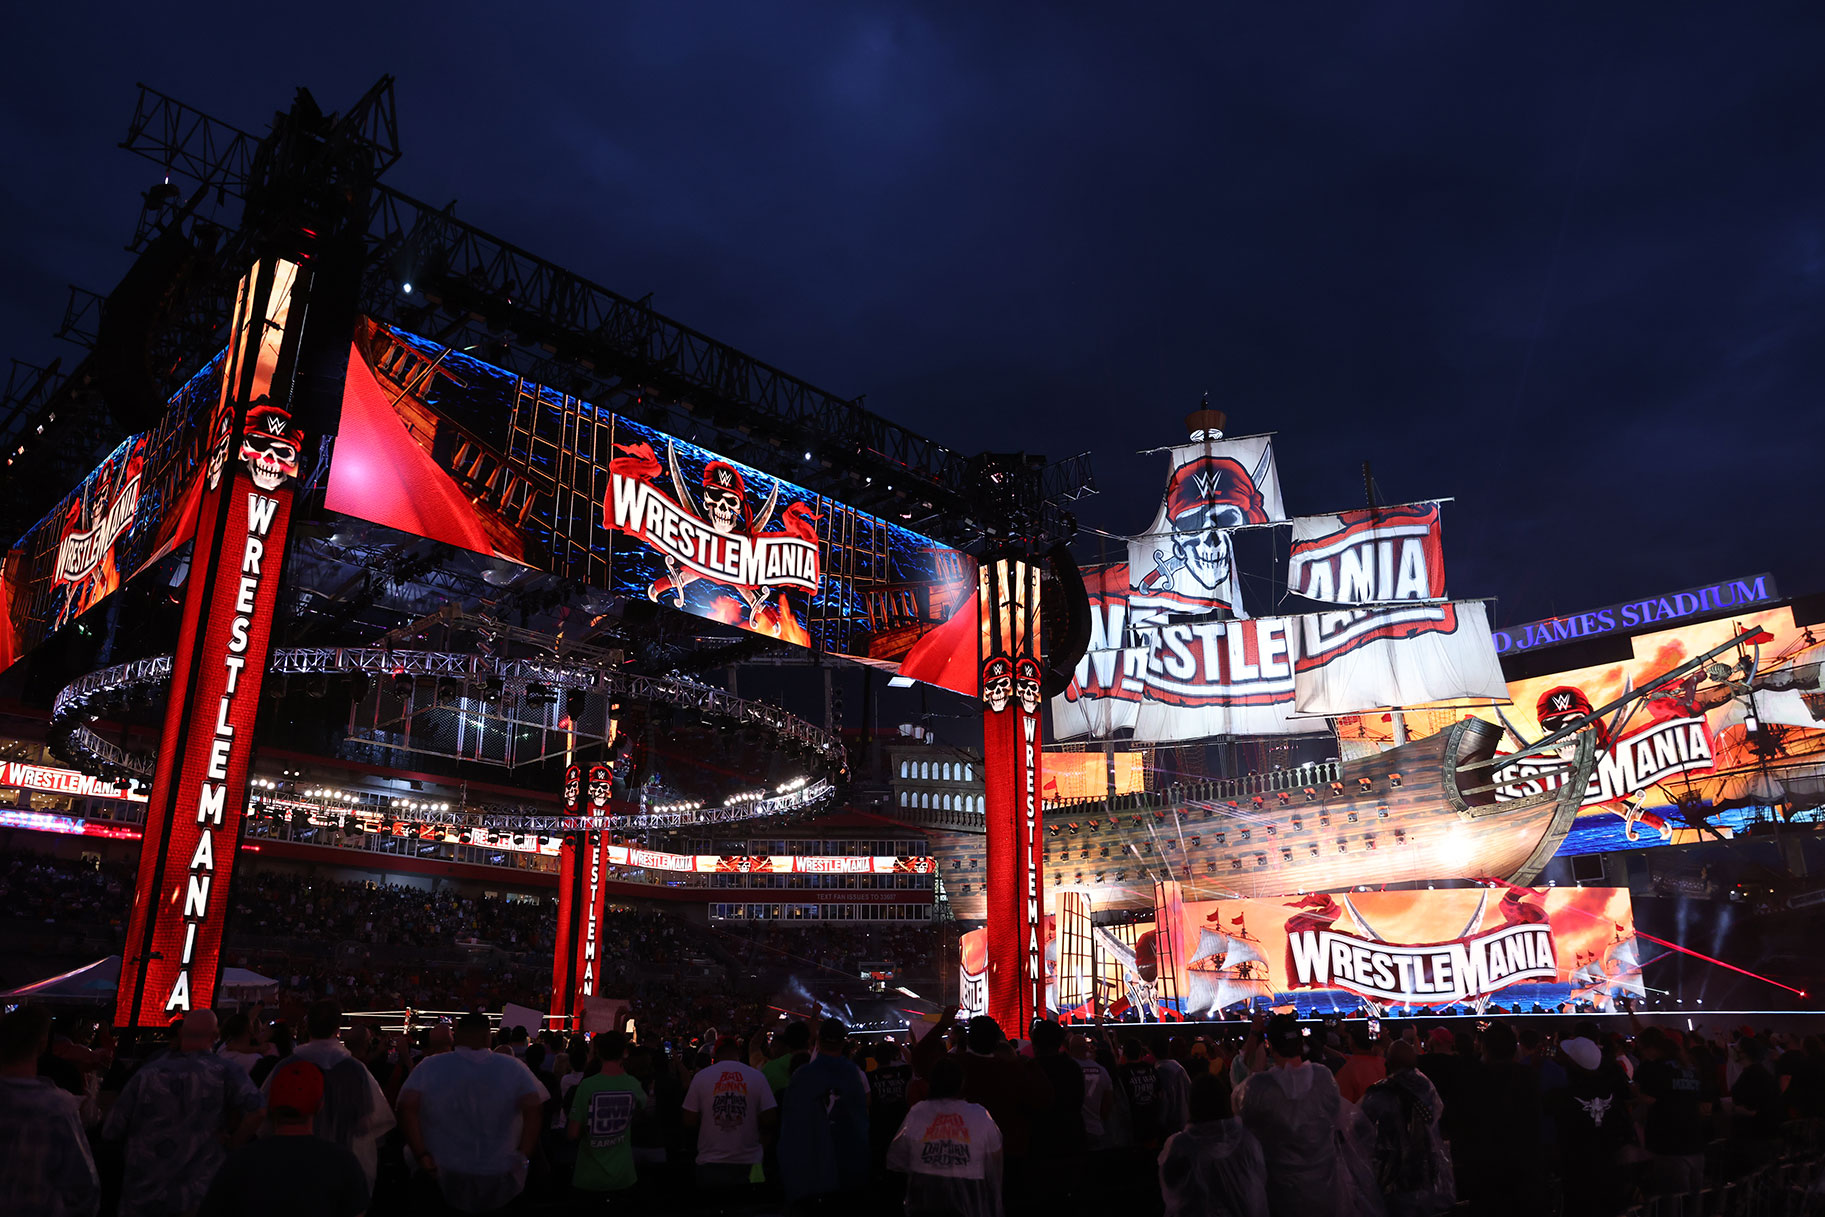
pixel 1565 263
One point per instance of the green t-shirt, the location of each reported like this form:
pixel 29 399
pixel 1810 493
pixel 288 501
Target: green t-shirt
pixel 778 1072
pixel 604 1106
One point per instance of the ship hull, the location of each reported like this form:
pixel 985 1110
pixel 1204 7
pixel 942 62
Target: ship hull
pixel 1424 811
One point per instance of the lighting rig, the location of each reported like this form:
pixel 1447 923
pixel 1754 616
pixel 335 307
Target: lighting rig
pixel 425 270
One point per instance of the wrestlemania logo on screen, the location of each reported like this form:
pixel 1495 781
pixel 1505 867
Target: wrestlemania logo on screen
pixel 734 553
pixel 1196 959
pixel 439 444
pixel 138 505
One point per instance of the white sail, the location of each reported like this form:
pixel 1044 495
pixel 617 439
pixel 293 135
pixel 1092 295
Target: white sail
pixel 1355 661
pixel 1179 680
pixel 1184 562
pixel 1373 554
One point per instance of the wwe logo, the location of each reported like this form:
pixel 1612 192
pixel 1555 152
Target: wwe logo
pixel 1562 702
pixel 1208 484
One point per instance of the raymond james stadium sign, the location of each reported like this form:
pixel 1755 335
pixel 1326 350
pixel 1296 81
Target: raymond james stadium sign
pixel 1657 612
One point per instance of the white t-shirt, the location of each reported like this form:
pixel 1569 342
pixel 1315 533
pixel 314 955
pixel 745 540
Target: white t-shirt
pixel 728 1098
pixel 470 1118
pixel 947 1137
pixel 246 1060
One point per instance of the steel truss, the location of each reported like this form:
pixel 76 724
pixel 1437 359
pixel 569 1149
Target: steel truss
pixel 79 701
pixel 541 321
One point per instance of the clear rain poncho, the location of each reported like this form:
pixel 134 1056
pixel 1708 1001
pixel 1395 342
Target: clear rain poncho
pixel 1314 1142
pixel 1213 1169
pixel 950 1152
pixel 1412 1164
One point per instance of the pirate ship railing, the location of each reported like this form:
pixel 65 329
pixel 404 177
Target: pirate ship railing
pixel 1307 782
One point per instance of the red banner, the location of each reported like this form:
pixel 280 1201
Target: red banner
pixel 564 955
pixel 172 957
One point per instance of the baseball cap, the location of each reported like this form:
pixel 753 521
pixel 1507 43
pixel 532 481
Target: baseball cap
pixel 985 1034
pixel 296 1088
pixel 1444 1037
pixel 832 1031
pixel 1582 1052
pixel 1284 1035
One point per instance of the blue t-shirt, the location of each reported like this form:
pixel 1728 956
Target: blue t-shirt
pixel 823 1137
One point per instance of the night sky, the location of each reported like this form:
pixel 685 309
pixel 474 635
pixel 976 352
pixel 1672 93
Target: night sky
pixel 1564 263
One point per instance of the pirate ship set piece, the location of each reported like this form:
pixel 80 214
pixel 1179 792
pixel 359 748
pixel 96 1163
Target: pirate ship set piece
pixel 1188 645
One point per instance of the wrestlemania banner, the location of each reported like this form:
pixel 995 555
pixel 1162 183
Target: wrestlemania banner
pixel 441 445
pixel 137 506
pixel 1390 949
pixel 171 959
pixel 1370 556
pixel 768 864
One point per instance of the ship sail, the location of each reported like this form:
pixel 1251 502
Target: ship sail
pixel 1185 562
pixel 1177 653
pixel 1375 554
pixel 1392 655
pixel 1174 654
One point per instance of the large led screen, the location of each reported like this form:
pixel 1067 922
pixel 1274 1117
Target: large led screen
pixel 1696 761
pixel 436 443
pixel 1331 953
pixel 135 507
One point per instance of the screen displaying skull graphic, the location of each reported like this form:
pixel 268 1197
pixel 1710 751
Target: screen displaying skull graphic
pixel 601 788
pixel 998 683
pixel 269 445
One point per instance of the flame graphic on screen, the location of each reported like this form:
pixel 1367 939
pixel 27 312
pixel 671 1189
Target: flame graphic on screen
pixel 778 621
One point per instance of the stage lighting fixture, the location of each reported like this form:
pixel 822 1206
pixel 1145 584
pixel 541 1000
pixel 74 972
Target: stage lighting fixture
pixel 160 195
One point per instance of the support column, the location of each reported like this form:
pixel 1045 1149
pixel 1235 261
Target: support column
pixel 171 960
pixel 570 898
pixel 1007 601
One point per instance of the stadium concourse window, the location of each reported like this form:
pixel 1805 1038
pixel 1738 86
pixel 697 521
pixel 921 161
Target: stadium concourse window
pixel 820 912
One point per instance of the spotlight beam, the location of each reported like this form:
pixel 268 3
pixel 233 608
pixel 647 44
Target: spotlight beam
pixel 1720 963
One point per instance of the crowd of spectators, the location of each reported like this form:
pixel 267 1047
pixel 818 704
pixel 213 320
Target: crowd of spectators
pixel 275 903
pixel 1285 1119
pixel 838 948
pixel 52 891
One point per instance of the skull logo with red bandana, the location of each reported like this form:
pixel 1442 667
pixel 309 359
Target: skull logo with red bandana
pixel 269 445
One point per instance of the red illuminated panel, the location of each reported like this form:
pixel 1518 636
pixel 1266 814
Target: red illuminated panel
pixel 593 864
pixel 1008 613
pixel 64 781
pixel 172 957
pixel 564 956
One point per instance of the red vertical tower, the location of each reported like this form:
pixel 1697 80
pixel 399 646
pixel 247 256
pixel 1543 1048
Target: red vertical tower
pixel 576 967
pixel 570 898
pixel 172 957
pixel 1007 601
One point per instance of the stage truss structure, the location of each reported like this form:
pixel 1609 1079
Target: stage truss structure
pixel 528 697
